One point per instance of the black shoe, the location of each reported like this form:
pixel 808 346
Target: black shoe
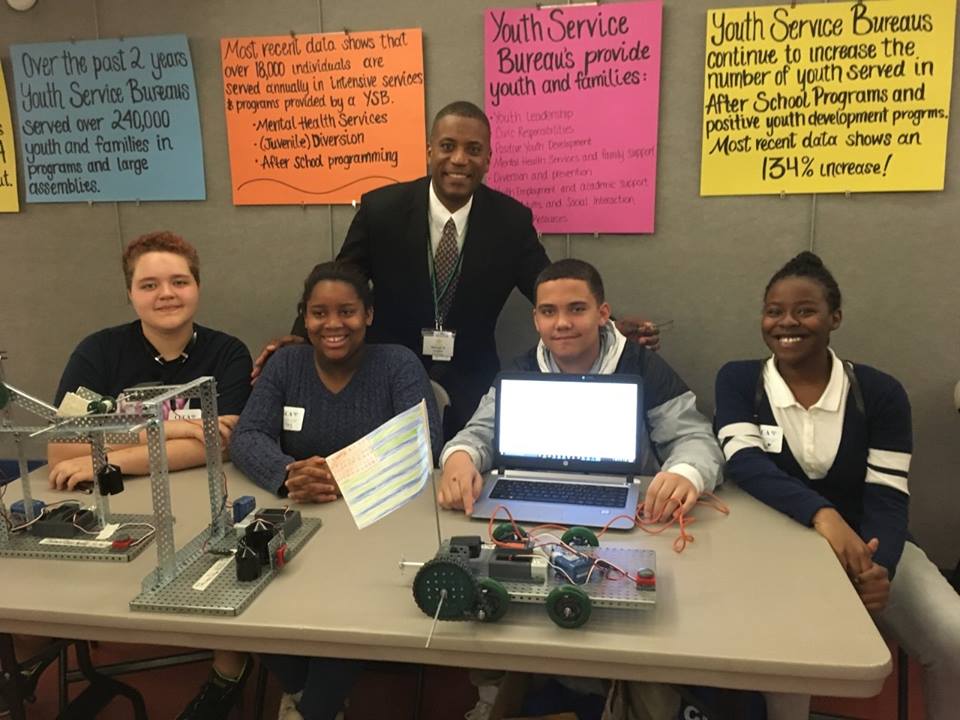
pixel 217 697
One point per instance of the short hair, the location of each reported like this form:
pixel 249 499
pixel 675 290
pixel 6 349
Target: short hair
pixel 337 271
pixel 572 269
pixel 809 265
pixel 160 241
pixel 461 108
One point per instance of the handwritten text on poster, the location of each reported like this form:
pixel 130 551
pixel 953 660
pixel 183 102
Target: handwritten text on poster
pixel 323 118
pixel 573 97
pixel 9 201
pixel 105 120
pixel 827 97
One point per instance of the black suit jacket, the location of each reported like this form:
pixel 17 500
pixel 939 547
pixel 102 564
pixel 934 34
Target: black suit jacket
pixel 390 240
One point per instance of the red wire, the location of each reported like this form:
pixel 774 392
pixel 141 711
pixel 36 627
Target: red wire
pixel 517 530
pixel 682 520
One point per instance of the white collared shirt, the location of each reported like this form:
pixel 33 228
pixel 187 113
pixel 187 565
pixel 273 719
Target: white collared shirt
pixel 438 216
pixel 813 434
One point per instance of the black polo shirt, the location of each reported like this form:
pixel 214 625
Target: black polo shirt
pixel 110 360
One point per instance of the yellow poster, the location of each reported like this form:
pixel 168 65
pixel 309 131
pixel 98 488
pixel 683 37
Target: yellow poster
pixel 9 201
pixel 827 97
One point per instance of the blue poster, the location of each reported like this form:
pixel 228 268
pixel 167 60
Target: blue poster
pixel 106 120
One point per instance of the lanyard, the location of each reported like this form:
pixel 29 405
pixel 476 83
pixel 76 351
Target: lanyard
pixel 438 294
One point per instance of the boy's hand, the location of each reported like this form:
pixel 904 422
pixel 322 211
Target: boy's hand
pixel 874 587
pixel 460 483
pixel 269 349
pixel 852 552
pixel 179 429
pixel 310 480
pixel 225 425
pixel 643 332
pixel 669 494
pixel 67 474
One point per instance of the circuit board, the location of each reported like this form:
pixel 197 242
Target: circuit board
pixel 605 589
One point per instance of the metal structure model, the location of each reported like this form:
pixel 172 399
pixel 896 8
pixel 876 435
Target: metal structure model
pixel 191 580
pixel 55 536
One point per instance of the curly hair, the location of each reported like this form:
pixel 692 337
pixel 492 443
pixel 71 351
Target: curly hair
pixel 160 241
pixel 809 265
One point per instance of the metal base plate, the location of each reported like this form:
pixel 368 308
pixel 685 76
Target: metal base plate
pixel 24 544
pixel 224 595
pixel 613 592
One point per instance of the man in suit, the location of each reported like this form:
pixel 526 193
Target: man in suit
pixel 398 238
pixel 444 253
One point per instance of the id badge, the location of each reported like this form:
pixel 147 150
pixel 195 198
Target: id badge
pixel 438 344
pixel 772 438
pixel 293 418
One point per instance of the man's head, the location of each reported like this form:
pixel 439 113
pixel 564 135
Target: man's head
pixel 569 312
pixel 459 152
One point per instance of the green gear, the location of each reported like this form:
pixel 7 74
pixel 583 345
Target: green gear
pixel 568 606
pixel 504 532
pixel 447 573
pixel 494 599
pixel 580 536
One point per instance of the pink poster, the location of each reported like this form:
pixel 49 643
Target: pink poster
pixel 573 94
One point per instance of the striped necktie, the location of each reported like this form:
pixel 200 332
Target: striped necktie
pixel 445 265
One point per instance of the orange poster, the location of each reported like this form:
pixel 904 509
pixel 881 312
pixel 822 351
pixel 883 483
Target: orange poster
pixel 322 119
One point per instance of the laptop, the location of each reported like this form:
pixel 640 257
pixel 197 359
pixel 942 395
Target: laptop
pixel 567 449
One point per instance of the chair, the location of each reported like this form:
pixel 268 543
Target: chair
pixel 18 681
pixel 442 396
pixel 903 684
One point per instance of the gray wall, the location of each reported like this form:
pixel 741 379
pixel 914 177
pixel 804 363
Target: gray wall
pixel 896 256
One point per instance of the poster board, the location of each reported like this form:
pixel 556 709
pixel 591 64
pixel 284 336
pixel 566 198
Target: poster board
pixel 323 118
pixel 573 96
pixel 9 199
pixel 108 120
pixel 819 98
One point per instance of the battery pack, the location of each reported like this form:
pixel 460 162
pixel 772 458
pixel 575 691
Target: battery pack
pixel 282 518
pixel 243 506
pixel 18 508
pixel 577 567
pixel 65 521
pixel 517 565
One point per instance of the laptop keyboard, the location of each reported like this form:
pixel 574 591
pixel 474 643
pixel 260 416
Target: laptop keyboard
pixel 564 493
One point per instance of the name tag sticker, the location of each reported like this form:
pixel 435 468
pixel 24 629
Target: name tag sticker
pixel 108 530
pixel 186 414
pixel 438 344
pixel 292 418
pixel 772 438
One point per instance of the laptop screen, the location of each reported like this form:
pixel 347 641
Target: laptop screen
pixel 587 423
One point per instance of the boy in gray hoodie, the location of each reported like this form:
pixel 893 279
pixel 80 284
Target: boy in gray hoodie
pixel 577 336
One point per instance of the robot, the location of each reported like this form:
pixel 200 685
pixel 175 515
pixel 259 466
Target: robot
pixel 469 579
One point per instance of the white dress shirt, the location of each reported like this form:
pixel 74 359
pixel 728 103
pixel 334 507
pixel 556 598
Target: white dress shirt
pixel 813 433
pixel 438 216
